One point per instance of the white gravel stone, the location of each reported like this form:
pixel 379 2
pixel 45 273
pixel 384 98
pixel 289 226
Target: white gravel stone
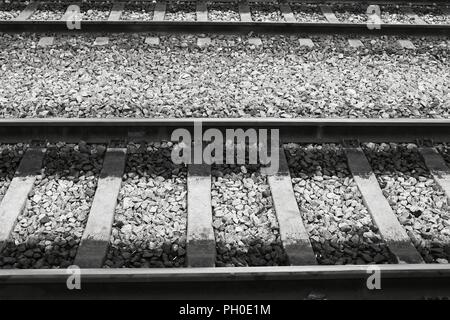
pixel 420 205
pixel 353 13
pixel 393 14
pixel 307 13
pixel 265 12
pixel 431 14
pixel 49 11
pixel 181 11
pixel 280 79
pixel 340 228
pixel 152 41
pixel 10 156
pixel 49 229
pixel 138 11
pixel 244 221
pixel 95 10
pixel 10 11
pixel 223 11
pixel 150 220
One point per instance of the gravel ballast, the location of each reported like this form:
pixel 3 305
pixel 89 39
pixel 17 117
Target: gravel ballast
pixel 431 14
pixel 10 156
pixel 49 11
pixel 350 13
pixel 420 205
pixel 393 14
pixel 149 229
pixel 95 10
pixel 244 220
pixel 138 11
pixel 223 12
pixel 127 78
pixel 10 11
pixel 181 11
pixel 265 12
pixel 48 231
pixel 340 228
pixel 307 13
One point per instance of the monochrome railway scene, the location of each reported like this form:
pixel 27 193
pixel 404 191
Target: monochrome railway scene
pixel 225 150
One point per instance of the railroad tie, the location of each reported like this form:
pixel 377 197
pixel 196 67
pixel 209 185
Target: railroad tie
pixel 294 237
pixel 256 42
pixel 204 42
pixel 329 14
pixel 16 196
pixel 389 227
pixel 202 11
pixel 445 11
pixel 101 41
pixel 201 245
pixel 160 11
pixel 27 12
pixel 46 41
pixel 306 42
pixel 412 15
pixel 286 11
pixel 406 44
pixel 152 41
pixel 437 167
pixel 114 15
pixel 244 11
pixel 355 43
pixel 116 11
pixel 96 237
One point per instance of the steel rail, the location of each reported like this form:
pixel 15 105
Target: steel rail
pixel 295 282
pixel 104 26
pixel 360 2
pixel 290 130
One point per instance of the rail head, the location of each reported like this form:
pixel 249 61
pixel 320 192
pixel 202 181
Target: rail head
pixel 316 272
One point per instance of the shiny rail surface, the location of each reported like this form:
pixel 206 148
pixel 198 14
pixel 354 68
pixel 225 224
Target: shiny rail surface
pixel 415 281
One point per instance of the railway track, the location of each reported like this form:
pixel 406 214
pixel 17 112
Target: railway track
pixel 165 17
pixel 301 275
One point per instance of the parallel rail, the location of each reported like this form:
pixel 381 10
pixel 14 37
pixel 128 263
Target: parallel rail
pixel 203 25
pixel 291 130
pixel 414 280
pixel 219 26
pixel 295 282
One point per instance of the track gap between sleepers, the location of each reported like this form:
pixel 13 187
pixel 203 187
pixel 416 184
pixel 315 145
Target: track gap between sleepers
pixel 149 228
pixel 49 229
pixel 340 227
pixel 420 205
